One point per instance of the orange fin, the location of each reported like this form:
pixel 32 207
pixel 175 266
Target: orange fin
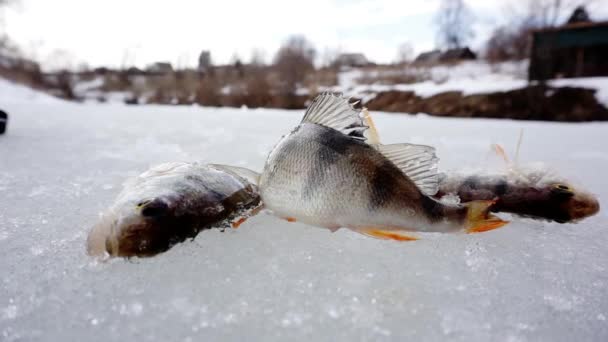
pixel 501 152
pixel 238 222
pixel 386 234
pixel 373 138
pixel 479 218
pixel 290 219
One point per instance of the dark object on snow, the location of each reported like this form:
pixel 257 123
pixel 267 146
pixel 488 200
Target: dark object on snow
pixel 530 103
pixel 3 121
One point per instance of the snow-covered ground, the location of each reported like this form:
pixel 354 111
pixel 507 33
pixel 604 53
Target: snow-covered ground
pixel 61 164
pixel 474 77
pixel 14 93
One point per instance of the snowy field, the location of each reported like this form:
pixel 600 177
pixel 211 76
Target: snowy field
pixel 62 164
pixel 472 77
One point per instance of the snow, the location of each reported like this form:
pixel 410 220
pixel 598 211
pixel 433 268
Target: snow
pixel 474 77
pixel 12 92
pixel 62 164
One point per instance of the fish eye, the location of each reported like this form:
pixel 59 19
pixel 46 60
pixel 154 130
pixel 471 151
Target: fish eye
pixel 562 190
pixel 142 203
pixel 155 208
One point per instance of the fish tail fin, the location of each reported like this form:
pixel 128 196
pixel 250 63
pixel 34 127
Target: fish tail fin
pixel 479 219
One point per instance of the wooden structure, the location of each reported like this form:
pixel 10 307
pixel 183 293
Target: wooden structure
pixel 575 50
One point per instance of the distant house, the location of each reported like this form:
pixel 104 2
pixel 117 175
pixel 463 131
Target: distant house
pixel 577 49
pixel 204 61
pixel 428 57
pixel 101 71
pixel 352 60
pixel 459 54
pixel 160 68
pixel 452 55
pixel 133 71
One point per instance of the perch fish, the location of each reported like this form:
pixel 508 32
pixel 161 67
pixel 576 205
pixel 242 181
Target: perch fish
pixel 327 173
pixel 535 192
pixel 171 203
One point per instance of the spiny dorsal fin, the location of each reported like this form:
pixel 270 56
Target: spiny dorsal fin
pixel 418 163
pixel 249 175
pixel 373 138
pixel 334 111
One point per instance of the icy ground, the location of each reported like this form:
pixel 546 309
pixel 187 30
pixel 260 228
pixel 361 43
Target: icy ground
pixel 61 164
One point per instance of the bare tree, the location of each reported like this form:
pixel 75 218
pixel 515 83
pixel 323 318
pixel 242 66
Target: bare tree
pixel 294 60
pixel 3 4
pixel 454 22
pixel 258 57
pixel 405 53
pixel 329 57
pixel 508 43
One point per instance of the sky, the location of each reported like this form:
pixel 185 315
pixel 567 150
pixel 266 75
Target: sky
pixel 140 32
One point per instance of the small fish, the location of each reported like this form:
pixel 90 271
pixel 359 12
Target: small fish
pixel 328 172
pixel 535 193
pixel 171 203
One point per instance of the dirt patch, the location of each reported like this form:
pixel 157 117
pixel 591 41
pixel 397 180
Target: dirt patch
pixel 530 103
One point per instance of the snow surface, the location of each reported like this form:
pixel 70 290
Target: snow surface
pixel 475 77
pixel 61 164
pixel 12 92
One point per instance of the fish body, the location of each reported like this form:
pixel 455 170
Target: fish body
pixel 170 203
pixel 534 193
pixel 324 173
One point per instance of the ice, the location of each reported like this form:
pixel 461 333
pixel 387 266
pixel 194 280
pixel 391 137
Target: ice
pixel 61 164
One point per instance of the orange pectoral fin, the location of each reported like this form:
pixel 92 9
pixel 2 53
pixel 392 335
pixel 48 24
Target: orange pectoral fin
pixel 238 222
pixel 487 225
pixel 290 219
pixel 386 234
pixel 479 218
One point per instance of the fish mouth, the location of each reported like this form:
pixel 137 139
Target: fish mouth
pixel 113 237
pixel 100 236
pixel 581 206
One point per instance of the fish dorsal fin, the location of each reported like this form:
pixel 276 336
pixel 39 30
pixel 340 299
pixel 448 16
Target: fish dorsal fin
pixel 373 138
pixel 334 111
pixel 249 175
pixel 417 162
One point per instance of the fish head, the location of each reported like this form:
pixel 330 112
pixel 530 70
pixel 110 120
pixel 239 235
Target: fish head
pixel 153 225
pixel 572 204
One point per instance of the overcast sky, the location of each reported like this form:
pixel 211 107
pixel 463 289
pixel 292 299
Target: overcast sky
pixel 108 32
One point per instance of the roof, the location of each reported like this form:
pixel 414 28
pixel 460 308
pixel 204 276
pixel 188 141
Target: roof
pixel 579 34
pixel 567 27
pixel 429 56
pixel 459 53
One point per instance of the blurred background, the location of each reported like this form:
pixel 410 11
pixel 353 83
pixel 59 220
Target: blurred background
pixel 529 59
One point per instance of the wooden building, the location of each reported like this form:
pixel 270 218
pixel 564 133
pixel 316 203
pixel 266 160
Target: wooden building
pixel 577 49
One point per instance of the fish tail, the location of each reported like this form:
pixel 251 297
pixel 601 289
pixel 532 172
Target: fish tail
pixel 479 219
